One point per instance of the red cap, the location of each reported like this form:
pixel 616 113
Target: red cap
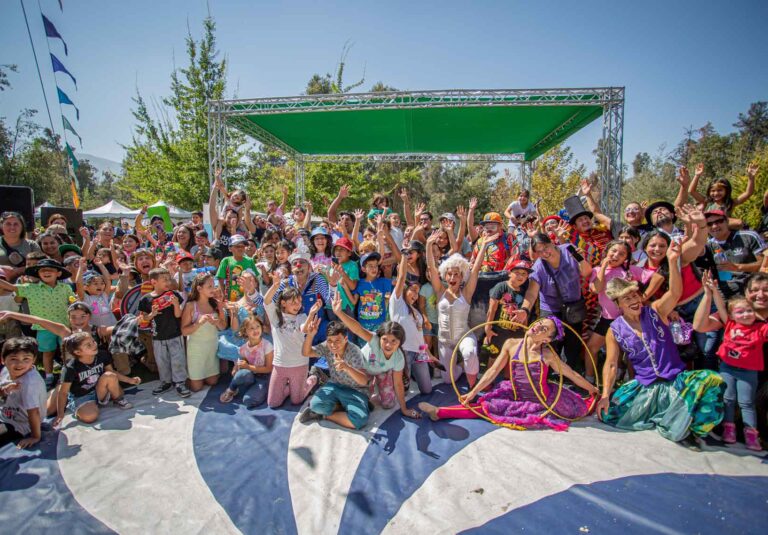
pixel 550 217
pixel 183 255
pixel 715 212
pixel 519 264
pixel 346 243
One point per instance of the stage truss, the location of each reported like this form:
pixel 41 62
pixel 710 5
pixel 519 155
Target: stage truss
pixel 225 114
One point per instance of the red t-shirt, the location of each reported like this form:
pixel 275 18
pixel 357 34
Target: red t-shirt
pixel 742 345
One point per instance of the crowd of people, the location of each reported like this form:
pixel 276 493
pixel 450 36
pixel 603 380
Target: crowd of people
pixel 356 307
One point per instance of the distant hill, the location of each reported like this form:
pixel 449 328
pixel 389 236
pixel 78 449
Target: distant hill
pixel 102 164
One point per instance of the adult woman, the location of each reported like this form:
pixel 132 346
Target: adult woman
pixel 14 245
pixel 680 404
pixel 554 280
pixel 49 244
pixel 656 244
pixel 515 401
pixel 184 237
pixel 453 305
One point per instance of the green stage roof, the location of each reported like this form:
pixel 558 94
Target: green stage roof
pixel 451 122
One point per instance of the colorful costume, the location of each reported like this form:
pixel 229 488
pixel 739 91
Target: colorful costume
pixel 515 402
pixel 663 394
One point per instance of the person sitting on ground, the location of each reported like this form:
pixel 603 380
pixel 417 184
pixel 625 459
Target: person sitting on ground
pixel 23 404
pixel 342 400
pixel 682 405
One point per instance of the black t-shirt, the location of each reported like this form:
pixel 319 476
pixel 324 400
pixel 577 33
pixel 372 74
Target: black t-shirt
pixel 509 301
pixel 165 325
pixel 741 247
pixel 85 376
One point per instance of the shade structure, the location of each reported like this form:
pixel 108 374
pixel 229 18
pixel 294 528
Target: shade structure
pixel 175 212
pixel 425 126
pixel 111 209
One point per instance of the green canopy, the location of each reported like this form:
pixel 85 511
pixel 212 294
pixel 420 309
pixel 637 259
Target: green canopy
pixel 524 123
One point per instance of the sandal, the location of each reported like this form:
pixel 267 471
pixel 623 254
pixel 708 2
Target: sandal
pixel 228 395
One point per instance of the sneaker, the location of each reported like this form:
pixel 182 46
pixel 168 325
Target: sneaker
pixel 228 395
pixel 322 377
pixel 752 439
pixel 162 389
pixel 123 404
pixel 307 415
pixel 729 433
pixel 182 390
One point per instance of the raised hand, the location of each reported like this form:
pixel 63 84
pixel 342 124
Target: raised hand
pixel 420 209
pixel 585 187
pixel 673 252
pixel 337 305
pixel 461 212
pixel 699 170
pixel 683 177
pixel 359 214
pixel 709 282
pixel 403 194
pixel 473 203
pixel 85 233
pixel 752 170
pixel 344 191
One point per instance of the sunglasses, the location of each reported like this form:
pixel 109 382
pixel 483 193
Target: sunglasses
pixel 715 222
pixel 632 211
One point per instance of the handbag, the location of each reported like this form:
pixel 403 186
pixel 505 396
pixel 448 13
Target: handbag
pixel 573 312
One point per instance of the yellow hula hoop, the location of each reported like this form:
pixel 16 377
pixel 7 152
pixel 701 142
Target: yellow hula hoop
pixel 453 379
pixel 540 395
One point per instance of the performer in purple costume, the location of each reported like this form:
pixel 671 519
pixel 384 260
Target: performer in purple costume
pixel 514 401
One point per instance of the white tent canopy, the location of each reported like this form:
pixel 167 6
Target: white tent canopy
pixel 111 209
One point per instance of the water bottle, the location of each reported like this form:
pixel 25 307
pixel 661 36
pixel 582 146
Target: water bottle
pixel 677 332
pixel 423 354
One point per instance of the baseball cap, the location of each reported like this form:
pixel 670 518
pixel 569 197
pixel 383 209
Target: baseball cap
pixel 369 256
pixel 492 217
pixel 447 215
pixel 237 239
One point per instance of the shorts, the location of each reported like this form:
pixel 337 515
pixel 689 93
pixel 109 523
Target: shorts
pixel 47 341
pixel 602 326
pixel 74 403
pixel 354 402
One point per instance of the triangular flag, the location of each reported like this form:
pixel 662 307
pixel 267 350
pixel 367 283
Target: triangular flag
pixel 51 31
pixel 71 155
pixel 59 66
pixel 68 126
pixel 64 99
pixel 73 186
pixel 61 6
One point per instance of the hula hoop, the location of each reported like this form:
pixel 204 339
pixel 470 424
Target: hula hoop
pixel 453 379
pixel 540 395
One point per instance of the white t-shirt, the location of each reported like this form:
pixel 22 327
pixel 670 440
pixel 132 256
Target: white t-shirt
pixel 518 211
pixel 288 339
pixel 31 395
pixel 400 312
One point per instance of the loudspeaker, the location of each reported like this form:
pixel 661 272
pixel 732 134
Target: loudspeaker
pixel 19 199
pixel 74 217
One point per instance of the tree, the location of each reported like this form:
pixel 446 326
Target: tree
pixel 168 157
pixel 641 163
pixel 4 69
pixel 653 179
pixel 753 126
pixel 556 177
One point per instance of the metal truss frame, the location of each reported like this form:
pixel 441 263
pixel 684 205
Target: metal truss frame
pixel 224 114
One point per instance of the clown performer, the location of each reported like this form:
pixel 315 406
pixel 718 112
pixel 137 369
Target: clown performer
pixel 515 402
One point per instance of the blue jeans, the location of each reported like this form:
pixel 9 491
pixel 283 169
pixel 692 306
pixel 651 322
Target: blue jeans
pixel 420 371
pixel 706 342
pixel 740 385
pixel 256 394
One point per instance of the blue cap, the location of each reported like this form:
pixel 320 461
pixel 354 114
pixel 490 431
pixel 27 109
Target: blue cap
pixel 369 256
pixel 319 231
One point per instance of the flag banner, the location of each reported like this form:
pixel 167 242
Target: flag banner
pixel 71 154
pixel 68 126
pixel 61 6
pixel 59 66
pixel 73 186
pixel 51 31
pixel 64 99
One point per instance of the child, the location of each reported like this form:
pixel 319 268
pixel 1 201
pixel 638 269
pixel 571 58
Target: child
pixel 254 365
pixel 231 268
pixel 48 299
pixel 320 247
pixel 88 380
pixel 505 304
pixel 92 289
pixel 383 359
pixel 22 390
pixel 720 191
pixel 741 358
pixel 186 272
pixel 289 373
pixel 201 321
pixel 343 250
pixel 344 398
pixel 160 313
pixel 371 294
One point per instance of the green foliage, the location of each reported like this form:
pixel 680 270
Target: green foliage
pixel 4 69
pixel 653 179
pixel 556 177
pixel 168 157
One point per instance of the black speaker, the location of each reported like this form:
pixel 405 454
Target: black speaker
pixel 19 199
pixel 74 217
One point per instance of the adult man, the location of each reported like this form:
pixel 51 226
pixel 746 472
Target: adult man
pixel 345 219
pixel 736 252
pixel 503 248
pixel 661 215
pixel 344 398
pixel 313 287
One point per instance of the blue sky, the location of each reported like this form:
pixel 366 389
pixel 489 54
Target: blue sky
pixel 683 63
